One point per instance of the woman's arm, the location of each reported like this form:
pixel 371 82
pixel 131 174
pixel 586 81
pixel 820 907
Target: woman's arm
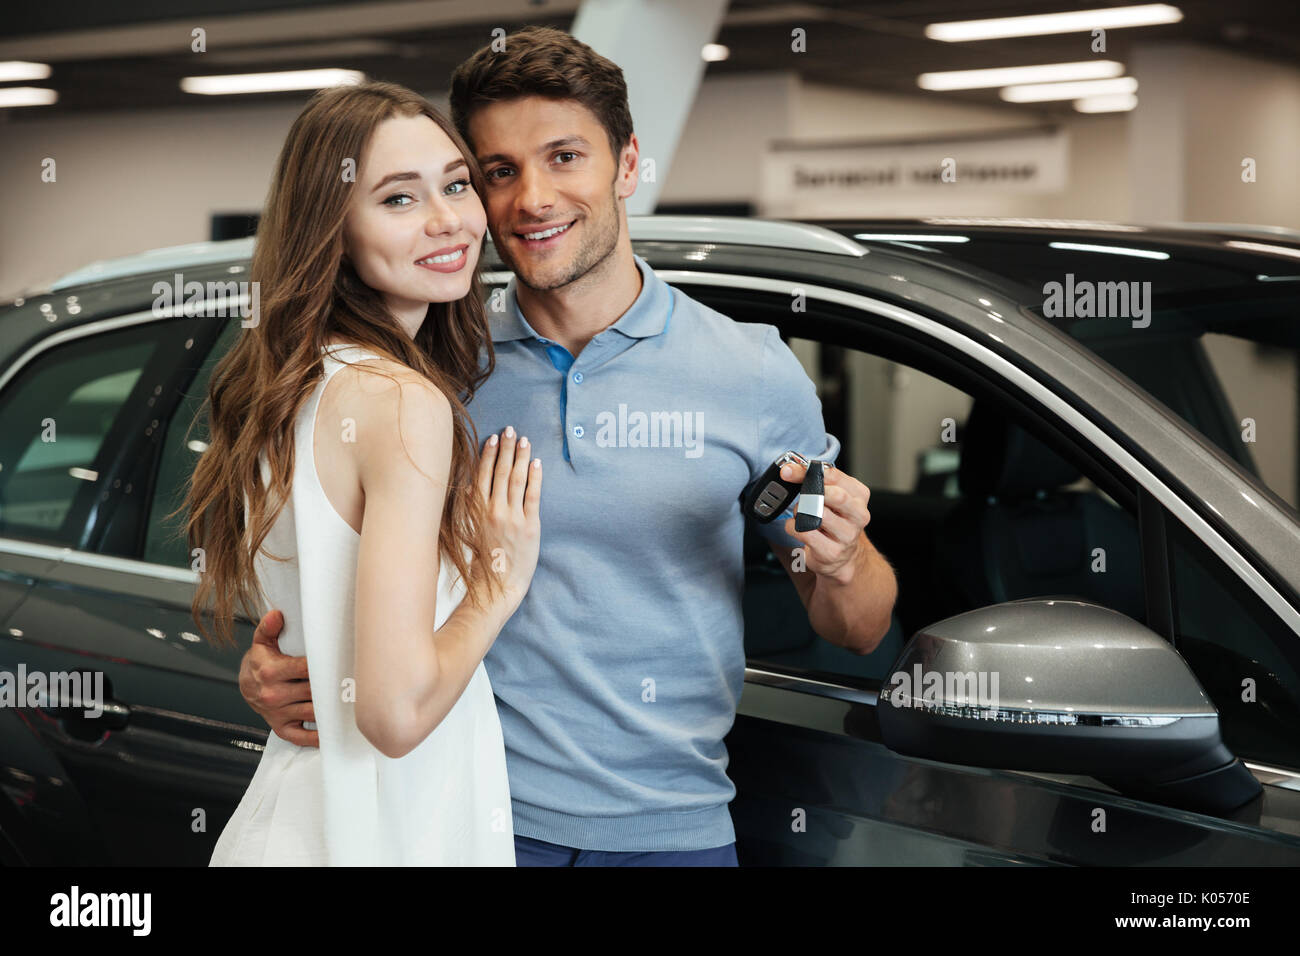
pixel 408 679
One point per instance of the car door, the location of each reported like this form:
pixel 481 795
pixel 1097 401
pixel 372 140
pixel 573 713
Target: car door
pixel 142 777
pixel 816 785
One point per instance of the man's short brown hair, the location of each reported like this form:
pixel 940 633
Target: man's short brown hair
pixel 542 61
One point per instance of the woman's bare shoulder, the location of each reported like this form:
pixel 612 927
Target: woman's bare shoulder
pixel 391 407
pixel 381 382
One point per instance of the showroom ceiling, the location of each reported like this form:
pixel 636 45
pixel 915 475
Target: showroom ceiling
pixel 132 54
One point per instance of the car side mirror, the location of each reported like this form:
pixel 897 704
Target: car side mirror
pixel 1065 686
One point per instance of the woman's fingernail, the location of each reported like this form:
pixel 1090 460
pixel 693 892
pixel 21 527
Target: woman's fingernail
pixel 523 442
pixel 510 431
pixel 492 440
pixel 537 463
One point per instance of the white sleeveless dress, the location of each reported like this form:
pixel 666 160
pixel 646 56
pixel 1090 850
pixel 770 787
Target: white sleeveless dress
pixel 447 802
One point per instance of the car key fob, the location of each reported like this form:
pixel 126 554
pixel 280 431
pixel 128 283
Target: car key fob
pixel 812 498
pixel 771 494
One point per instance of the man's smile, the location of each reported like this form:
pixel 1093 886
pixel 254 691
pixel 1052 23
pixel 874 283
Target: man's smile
pixel 544 236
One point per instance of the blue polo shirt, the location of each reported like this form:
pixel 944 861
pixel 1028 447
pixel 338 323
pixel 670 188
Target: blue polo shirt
pixel 619 675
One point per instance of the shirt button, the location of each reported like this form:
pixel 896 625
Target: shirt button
pixel 577 377
pixel 577 431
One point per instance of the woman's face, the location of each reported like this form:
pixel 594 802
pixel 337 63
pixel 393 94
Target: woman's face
pixel 413 204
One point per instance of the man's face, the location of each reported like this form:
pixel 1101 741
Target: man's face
pixel 548 166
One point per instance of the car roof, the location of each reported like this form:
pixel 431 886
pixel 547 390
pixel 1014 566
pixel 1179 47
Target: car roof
pixel 974 259
pixel 996 267
pixel 1214 254
pixel 1207 233
pixel 1193 256
pixel 716 229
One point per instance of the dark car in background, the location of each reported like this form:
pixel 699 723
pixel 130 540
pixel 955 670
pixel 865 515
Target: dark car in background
pixel 1072 499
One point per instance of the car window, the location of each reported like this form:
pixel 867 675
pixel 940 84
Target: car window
pixel 1210 331
pixel 1247 659
pixel 968 507
pixel 55 417
pixel 1227 362
pixel 185 439
pixel 1229 370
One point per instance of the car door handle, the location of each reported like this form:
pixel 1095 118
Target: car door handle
pixel 114 715
pixel 105 713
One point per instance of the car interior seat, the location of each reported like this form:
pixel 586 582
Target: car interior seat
pixel 1019 533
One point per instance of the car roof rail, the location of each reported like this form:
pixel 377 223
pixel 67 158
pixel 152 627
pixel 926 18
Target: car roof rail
pixel 743 231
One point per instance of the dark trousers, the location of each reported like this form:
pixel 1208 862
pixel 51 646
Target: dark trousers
pixel 530 852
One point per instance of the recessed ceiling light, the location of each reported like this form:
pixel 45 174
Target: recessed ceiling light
pixel 1111 103
pixel 1006 76
pixel 1044 92
pixel 270 82
pixel 11 70
pixel 1073 21
pixel 27 96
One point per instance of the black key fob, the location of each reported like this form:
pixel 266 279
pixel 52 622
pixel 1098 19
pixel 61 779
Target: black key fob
pixel 770 495
pixel 812 499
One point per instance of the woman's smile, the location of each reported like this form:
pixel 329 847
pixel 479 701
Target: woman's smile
pixel 446 261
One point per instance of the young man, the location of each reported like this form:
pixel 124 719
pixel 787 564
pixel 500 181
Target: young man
pixel 618 677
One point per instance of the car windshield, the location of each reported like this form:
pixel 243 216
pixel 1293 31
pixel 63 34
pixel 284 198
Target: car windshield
pixel 1212 330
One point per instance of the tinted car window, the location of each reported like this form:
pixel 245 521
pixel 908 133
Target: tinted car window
pixel 185 440
pixel 968 508
pixel 55 418
pixel 1237 386
pixel 1247 659
pixel 1208 327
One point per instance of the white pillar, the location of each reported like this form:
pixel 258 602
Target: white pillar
pixel 657 44
pixel 1157 134
pixel 1201 112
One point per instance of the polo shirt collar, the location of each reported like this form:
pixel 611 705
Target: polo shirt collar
pixel 648 315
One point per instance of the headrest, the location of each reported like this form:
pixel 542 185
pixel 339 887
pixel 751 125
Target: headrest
pixel 1000 458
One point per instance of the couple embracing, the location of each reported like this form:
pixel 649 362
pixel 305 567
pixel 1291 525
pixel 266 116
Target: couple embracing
pixel 463 667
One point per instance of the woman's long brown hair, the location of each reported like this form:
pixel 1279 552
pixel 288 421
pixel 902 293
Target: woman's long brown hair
pixel 308 294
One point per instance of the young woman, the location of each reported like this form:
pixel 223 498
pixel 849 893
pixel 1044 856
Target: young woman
pixel 341 484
